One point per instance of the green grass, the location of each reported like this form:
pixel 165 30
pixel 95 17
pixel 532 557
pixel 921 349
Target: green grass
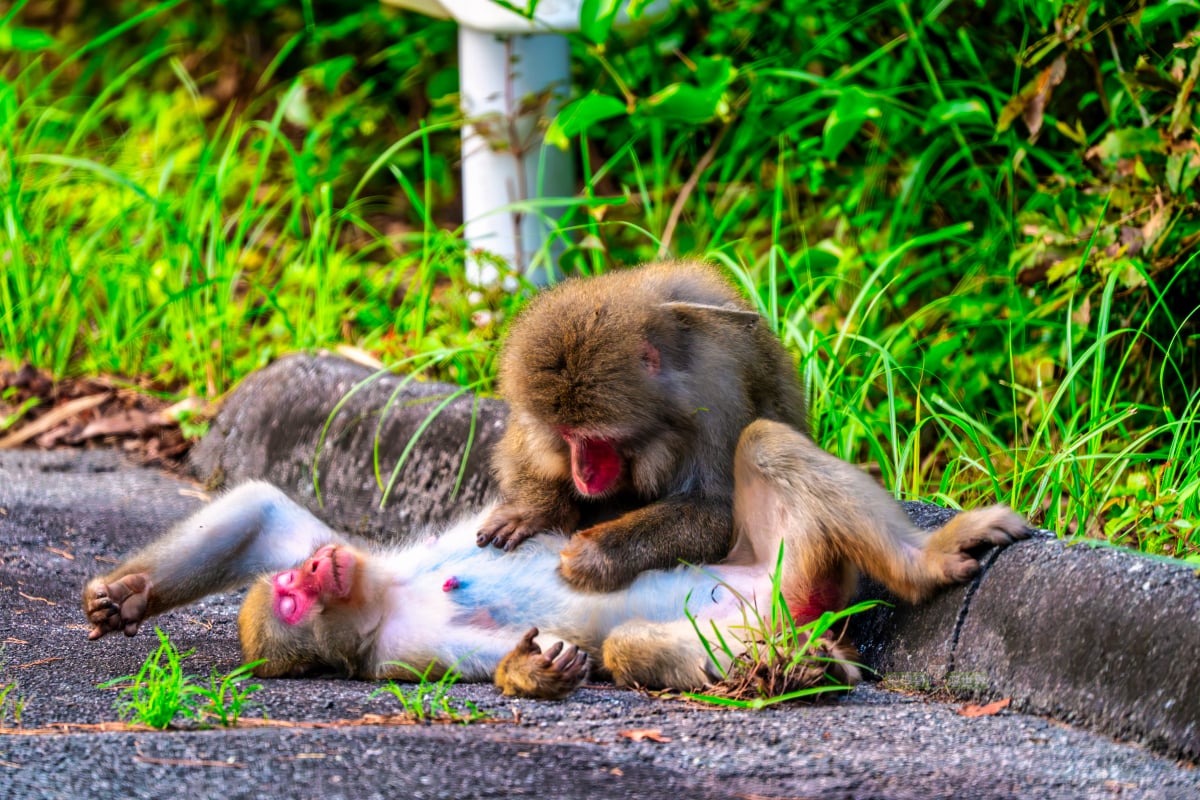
pixel 161 692
pixel 979 314
pixel 12 704
pixel 765 661
pixel 429 700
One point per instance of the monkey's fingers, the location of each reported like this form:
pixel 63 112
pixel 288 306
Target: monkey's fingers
pixel 527 643
pixel 568 659
pixel 573 666
pixel 497 531
pixel 551 654
pixel 508 526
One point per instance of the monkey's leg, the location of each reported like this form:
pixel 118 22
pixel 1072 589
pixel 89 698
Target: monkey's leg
pixel 608 556
pixel 252 530
pixel 662 655
pixel 832 516
pixel 671 655
pixel 550 675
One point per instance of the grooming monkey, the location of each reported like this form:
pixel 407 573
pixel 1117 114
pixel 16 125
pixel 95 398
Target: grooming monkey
pixel 359 611
pixel 627 394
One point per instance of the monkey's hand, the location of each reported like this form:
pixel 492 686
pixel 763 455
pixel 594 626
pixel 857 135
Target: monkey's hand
pixel 117 606
pixel 952 549
pixel 510 524
pixel 552 675
pixel 589 567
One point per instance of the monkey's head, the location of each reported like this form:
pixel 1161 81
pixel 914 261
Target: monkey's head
pixel 608 382
pixel 297 620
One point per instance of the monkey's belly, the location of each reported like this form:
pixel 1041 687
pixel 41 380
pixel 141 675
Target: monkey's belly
pixel 523 589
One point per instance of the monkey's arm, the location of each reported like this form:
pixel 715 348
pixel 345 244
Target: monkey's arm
pixel 535 482
pixel 610 555
pixel 253 530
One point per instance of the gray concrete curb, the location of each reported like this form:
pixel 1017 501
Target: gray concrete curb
pixel 1090 635
pixel 271 425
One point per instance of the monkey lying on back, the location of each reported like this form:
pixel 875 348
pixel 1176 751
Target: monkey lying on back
pixel 391 613
pixel 627 393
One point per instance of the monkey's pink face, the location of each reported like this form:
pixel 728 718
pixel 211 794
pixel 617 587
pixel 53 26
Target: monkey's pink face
pixel 329 574
pixel 595 463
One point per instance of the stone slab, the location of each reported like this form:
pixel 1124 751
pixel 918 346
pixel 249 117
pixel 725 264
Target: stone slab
pixel 325 410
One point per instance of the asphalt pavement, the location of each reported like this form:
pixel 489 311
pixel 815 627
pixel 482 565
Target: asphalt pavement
pixel 66 515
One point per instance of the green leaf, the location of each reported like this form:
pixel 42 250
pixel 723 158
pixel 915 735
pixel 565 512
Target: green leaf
pixel 442 83
pixel 28 40
pixel 853 109
pixel 577 116
pixel 1182 170
pixel 596 19
pixel 715 74
pixel 1126 143
pixel 682 102
pixel 328 73
pixel 958 112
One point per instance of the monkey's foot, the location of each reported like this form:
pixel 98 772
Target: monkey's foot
pixel 586 566
pixel 117 606
pixel 552 675
pixel 954 547
pixel 509 525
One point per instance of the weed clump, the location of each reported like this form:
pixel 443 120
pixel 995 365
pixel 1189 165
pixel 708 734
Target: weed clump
pixel 162 692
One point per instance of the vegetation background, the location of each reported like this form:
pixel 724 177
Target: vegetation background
pixel 974 223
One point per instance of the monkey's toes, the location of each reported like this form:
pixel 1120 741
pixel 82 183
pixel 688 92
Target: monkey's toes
pixel 117 606
pixel 527 643
pixel 1002 526
pixel 960 567
pixel 551 675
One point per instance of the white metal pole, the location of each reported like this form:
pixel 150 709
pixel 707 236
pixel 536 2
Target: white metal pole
pixel 509 83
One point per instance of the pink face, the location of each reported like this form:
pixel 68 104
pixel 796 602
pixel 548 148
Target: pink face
pixel 328 574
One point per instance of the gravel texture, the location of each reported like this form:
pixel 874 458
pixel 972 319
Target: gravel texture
pixel 63 516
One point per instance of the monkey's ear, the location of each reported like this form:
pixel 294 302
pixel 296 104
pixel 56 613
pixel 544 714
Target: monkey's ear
pixel 699 313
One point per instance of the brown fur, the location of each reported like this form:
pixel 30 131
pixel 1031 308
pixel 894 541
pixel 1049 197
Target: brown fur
pixel 835 522
pixel 551 675
pixel 669 363
pixel 832 519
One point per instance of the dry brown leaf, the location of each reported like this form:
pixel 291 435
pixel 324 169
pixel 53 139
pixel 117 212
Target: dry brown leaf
pixel 52 418
pixel 358 356
pixel 120 424
pixel 1051 76
pixel 1030 102
pixel 645 735
pixel 989 710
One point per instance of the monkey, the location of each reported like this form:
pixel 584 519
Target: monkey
pixel 442 603
pixel 627 393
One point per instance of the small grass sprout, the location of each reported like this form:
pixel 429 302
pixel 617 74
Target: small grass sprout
pixel 777 660
pixel 226 695
pixel 12 704
pixel 430 700
pixel 162 692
